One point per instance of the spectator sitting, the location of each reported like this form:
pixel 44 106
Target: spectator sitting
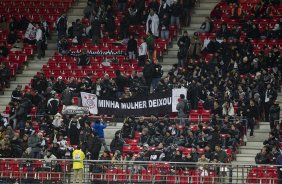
pixel 263 157
pixel 272 141
pixel 3 50
pixel 3 23
pixel 60 85
pixel 223 32
pixel 212 46
pixel 63 46
pixel 5 75
pixel 254 33
pixel 12 37
pixel 83 59
pixel 18 45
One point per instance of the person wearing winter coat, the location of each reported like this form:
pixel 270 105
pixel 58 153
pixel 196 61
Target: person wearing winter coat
pixel 132 47
pixel 35 144
pixel 67 96
pixel 195 46
pixel 73 131
pixel 157 75
pixel 148 73
pixel 180 107
pixel 117 143
pixel 274 114
pixel 152 24
pixel 94 146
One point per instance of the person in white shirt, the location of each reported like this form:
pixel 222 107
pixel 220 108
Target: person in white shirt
pixel 142 52
pixel 153 23
pixel 39 43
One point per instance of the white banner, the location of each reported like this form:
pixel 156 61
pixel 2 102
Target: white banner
pixel 89 100
pixel 176 95
pixel 30 32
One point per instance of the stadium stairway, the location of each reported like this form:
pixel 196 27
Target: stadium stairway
pixel 253 146
pixel 200 11
pixel 35 65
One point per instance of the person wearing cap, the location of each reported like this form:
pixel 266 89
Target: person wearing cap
pixel 60 85
pixel 274 114
pixel 78 156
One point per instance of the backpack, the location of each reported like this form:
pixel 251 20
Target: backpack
pixel 186 108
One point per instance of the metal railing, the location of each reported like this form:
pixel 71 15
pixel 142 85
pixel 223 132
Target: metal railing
pixel 60 171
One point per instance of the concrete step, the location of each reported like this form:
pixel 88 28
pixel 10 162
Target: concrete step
pixel 255 144
pixel 245 157
pixel 249 151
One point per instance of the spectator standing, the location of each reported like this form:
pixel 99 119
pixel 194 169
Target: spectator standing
pixel 78 30
pixel 152 24
pixel 196 46
pixel 131 47
pixel 182 107
pixel 252 114
pixel 39 41
pixel 122 5
pixel 74 130
pixel 95 31
pixel 17 94
pixel 269 96
pixel 157 75
pixel 94 145
pixel 99 127
pixel 142 52
pixel 150 46
pixel 78 156
pixel 61 25
pixel 184 39
pixel 274 114
pixel 176 10
pixel 164 25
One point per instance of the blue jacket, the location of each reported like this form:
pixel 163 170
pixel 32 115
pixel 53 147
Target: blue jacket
pixel 99 129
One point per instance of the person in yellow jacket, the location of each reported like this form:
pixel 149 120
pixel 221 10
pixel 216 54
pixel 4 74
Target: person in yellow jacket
pixel 78 156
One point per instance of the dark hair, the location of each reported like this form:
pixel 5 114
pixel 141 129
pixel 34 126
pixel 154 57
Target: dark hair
pixel 78 147
pixel 182 96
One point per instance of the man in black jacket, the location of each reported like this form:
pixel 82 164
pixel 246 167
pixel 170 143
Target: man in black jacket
pixel 148 73
pixel 157 75
pixel 117 143
pixel 131 47
pixel 274 114
pixel 62 25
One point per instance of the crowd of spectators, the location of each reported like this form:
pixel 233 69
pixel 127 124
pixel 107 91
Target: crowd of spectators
pixel 234 84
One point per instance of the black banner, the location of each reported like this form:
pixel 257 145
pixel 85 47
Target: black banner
pixel 158 104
